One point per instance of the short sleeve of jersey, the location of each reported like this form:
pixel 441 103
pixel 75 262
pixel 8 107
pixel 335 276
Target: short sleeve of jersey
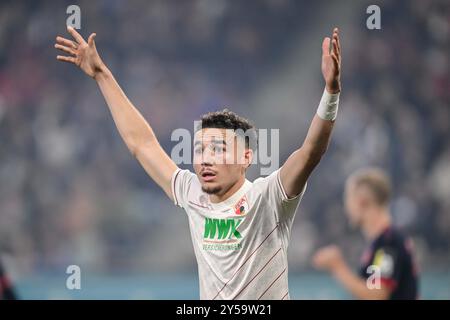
pixel 273 189
pixel 388 259
pixel 180 184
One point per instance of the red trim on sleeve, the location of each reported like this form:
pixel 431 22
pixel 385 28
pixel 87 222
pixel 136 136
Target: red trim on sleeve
pixel 4 282
pixel 388 282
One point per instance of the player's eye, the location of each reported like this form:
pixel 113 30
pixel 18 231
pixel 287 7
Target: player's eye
pixel 198 150
pixel 218 149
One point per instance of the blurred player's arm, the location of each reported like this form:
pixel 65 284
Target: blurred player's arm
pixel 298 167
pixel 330 259
pixel 134 130
pixel 6 289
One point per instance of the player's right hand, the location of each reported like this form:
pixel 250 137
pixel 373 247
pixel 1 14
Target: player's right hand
pixel 328 258
pixel 81 53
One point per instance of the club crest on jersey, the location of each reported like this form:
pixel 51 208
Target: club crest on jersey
pixel 241 207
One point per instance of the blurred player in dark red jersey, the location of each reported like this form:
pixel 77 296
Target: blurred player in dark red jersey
pixel 6 289
pixel 387 265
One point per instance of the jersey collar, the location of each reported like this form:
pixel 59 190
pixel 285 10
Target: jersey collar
pixel 233 199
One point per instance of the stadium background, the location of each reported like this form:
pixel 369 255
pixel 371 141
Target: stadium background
pixel 70 192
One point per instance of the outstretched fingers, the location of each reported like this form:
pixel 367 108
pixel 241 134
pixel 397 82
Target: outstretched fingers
pixel 335 59
pixel 335 50
pixel 66 59
pixel 66 42
pixel 75 35
pixel 326 46
pixel 65 49
pixel 336 42
pixel 91 39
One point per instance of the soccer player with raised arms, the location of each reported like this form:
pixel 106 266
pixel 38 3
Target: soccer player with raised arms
pixel 240 229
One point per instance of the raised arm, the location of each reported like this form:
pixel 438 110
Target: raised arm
pixel 298 167
pixel 134 130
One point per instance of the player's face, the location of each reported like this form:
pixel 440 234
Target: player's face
pixel 352 205
pixel 220 159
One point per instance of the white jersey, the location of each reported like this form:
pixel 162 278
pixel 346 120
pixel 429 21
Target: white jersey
pixel 241 243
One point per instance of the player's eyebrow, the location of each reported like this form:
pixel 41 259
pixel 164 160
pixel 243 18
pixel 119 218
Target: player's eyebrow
pixel 213 141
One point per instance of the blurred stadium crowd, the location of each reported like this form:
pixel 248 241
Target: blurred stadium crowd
pixel 70 193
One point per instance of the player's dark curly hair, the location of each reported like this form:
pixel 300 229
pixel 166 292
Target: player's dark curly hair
pixel 226 119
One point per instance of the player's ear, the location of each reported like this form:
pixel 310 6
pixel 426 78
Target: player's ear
pixel 248 157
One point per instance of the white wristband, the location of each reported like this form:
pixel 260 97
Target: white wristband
pixel 328 106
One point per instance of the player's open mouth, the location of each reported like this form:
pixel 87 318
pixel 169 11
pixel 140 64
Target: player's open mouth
pixel 208 176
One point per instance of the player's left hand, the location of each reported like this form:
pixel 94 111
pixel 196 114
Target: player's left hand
pixel 328 258
pixel 331 62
